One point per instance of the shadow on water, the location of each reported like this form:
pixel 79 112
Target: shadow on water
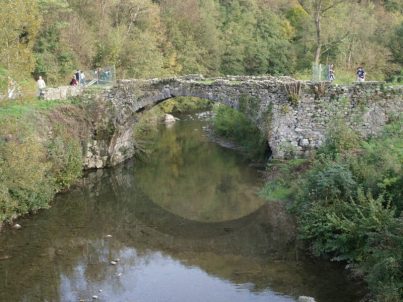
pixel 163 251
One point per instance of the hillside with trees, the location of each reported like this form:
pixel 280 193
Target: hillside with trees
pixel 145 38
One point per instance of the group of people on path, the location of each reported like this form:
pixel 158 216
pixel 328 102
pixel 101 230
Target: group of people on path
pixel 78 78
pixel 360 73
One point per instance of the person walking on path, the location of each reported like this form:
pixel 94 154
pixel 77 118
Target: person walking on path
pixel 360 74
pixel 41 86
pixel 77 75
pixel 73 81
pixel 11 88
pixel 82 78
pixel 331 76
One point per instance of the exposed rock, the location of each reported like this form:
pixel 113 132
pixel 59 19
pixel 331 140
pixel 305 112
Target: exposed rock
pixel 17 226
pixel 304 142
pixel 169 119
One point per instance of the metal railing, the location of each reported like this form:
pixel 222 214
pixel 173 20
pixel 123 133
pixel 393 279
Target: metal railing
pixel 100 76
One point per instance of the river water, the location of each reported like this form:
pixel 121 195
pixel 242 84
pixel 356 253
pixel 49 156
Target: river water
pixel 184 225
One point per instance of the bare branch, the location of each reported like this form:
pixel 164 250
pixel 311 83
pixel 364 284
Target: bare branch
pixel 302 4
pixel 332 5
pixel 330 44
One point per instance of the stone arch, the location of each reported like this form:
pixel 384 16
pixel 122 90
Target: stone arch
pixel 293 115
pixel 257 95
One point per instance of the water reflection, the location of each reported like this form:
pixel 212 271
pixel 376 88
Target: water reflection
pixel 196 179
pixel 63 254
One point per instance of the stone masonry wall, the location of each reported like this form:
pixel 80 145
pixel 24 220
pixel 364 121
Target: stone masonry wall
pixel 62 92
pixel 365 107
pixel 294 115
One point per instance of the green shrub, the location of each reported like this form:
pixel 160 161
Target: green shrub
pixel 329 180
pixel 362 230
pixel 286 175
pixel 379 165
pixel 235 125
pixel 276 191
pixel 339 139
pixel 185 104
pixel 337 218
pixel 65 156
pixel 24 182
pixel 34 166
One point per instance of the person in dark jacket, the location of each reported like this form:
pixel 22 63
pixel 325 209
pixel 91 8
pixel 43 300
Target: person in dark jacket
pixel 360 74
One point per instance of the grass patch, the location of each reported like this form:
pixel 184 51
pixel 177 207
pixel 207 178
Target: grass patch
pixel 276 191
pixel 19 108
pixel 234 125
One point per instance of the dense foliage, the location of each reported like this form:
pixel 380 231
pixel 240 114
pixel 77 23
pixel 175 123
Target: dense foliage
pixel 348 200
pixel 149 38
pixel 235 125
pixel 33 169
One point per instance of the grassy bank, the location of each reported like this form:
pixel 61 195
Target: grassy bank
pixel 348 200
pixel 234 125
pixel 40 153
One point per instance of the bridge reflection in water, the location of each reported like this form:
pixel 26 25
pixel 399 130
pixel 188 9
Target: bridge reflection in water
pixel 64 254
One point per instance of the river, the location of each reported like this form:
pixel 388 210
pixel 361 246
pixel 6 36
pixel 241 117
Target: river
pixel 186 224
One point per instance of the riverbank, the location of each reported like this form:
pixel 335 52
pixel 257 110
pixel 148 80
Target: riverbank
pixel 45 145
pixel 41 147
pixel 348 202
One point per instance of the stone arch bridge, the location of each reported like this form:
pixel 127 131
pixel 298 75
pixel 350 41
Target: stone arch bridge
pixel 293 115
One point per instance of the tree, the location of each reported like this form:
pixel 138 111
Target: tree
pixel 19 24
pixel 256 40
pixel 192 42
pixel 396 45
pixel 131 41
pixel 318 9
pixel 55 58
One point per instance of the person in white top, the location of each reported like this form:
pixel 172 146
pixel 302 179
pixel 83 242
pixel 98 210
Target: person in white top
pixel 41 85
pixel 11 88
pixel 82 78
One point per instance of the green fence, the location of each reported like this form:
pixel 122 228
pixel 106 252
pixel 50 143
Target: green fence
pixel 101 76
pixel 320 72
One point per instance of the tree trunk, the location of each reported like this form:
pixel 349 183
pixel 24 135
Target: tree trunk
pixel 350 53
pixel 318 32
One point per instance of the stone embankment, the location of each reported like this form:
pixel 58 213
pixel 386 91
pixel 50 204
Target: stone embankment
pixel 62 92
pixel 294 115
